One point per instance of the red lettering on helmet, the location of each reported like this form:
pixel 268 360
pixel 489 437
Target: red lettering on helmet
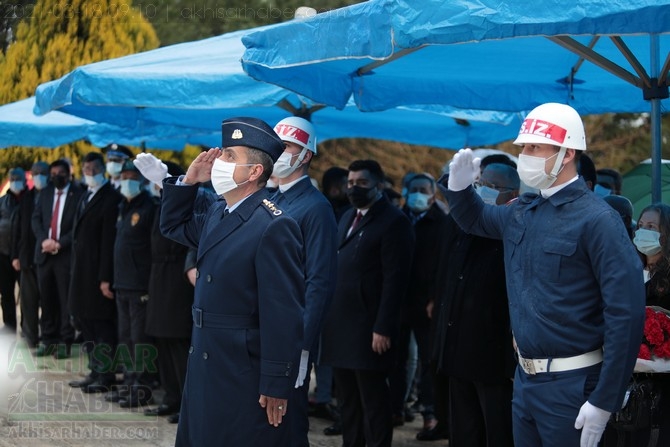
pixel 284 130
pixel 544 129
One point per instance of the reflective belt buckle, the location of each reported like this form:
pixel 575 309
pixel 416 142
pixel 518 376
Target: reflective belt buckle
pixel 528 366
pixel 197 317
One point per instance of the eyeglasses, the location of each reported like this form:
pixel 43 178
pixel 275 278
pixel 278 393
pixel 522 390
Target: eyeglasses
pixel 502 189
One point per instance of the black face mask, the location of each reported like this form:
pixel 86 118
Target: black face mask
pixel 59 181
pixel 360 197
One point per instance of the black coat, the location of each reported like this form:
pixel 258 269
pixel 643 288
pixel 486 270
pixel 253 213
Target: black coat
pixel 170 292
pixel 473 338
pixel 23 238
pixel 372 274
pixel 93 254
pixel 41 219
pixel 423 278
pixel 132 247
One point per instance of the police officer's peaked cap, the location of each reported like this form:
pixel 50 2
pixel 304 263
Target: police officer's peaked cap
pixel 117 150
pixel 251 132
pixel 129 166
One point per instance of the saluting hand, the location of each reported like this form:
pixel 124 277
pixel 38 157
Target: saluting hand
pixel 201 168
pixel 275 408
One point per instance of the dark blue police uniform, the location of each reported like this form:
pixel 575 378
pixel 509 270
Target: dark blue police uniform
pixel 574 285
pixel 248 307
pixel 310 208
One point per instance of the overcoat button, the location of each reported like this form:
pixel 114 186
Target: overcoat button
pixel 209 278
pixel 190 350
pixel 197 274
pixel 205 355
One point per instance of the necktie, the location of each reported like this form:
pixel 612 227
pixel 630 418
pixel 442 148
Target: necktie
pixel 226 212
pixel 54 216
pixel 354 224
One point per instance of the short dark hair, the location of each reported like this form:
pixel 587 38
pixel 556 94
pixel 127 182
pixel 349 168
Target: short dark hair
pixel 587 169
pixel 62 163
pixel 262 158
pixel 332 176
pixel 421 177
pixel 371 166
pixel 94 156
pixel 612 174
pixel 501 159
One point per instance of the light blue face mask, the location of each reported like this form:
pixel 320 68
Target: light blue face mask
pixel 488 195
pixel 601 190
pixel 130 188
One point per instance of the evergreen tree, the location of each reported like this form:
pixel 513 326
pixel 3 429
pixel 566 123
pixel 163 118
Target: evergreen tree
pixel 57 37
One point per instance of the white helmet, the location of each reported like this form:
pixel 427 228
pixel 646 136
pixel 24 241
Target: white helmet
pixel 553 123
pixel 297 130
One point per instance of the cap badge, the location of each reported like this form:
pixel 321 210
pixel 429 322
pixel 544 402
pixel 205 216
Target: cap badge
pixel 237 135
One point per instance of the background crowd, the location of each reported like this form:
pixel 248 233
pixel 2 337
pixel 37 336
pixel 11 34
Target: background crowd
pixel 404 312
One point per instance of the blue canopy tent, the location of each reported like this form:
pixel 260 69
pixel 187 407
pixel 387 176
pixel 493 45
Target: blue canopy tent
pixel 477 54
pixel 195 85
pixel 19 126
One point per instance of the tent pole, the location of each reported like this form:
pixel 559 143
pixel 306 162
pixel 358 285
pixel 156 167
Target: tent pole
pixel 655 125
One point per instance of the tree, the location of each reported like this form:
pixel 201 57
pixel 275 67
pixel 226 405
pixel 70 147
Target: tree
pixel 187 20
pixel 58 36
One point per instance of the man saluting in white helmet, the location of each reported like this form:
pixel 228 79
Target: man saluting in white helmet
pixel 575 286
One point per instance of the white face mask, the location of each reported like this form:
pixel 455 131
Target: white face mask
pixel 114 168
pixel 283 168
pixel 130 188
pixel 647 241
pixel 39 181
pixel 488 195
pixel 222 176
pixel 531 171
pixel 418 202
pixel 93 181
pixel 17 187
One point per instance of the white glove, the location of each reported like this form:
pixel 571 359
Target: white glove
pixel 592 420
pixel 463 170
pixel 151 168
pixel 302 372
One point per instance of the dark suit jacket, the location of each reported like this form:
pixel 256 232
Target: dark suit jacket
pixel 422 281
pixel 23 244
pixel 170 292
pixel 473 338
pixel 93 254
pixel 41 220
pixel 310 208
pixel 373 267
pixel 251 271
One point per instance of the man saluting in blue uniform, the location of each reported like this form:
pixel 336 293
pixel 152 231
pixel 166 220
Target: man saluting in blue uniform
pixel 574 282
pixel 249 292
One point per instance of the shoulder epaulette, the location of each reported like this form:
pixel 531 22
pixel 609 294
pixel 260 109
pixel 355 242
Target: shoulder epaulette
pixel 272 208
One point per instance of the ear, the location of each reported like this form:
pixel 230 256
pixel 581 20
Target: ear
pixel 255 172
pixel 308 157
pixel 569 155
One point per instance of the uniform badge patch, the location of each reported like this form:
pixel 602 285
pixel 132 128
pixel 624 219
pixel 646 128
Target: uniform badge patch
pixel 271 206
pixel 237 135
pixel 134 219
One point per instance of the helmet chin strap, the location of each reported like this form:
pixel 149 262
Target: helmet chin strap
pixel 558 164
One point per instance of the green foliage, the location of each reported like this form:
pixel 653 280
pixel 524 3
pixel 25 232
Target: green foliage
pixel 56 37
pixel 187 20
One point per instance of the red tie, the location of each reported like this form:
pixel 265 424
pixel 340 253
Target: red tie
pixel 354 224
pixel 54 217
